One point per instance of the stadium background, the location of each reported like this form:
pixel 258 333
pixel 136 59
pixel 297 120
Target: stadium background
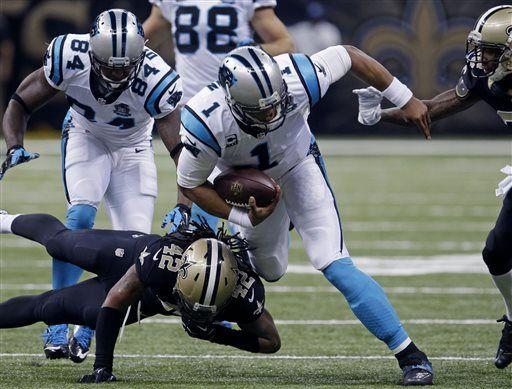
pixel 420 41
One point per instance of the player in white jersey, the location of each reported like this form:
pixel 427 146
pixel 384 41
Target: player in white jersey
pixel 117 90
pixel 256 115
pixel 202 33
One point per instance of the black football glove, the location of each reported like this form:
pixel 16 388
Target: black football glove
pixel 101 374
pixel 205 331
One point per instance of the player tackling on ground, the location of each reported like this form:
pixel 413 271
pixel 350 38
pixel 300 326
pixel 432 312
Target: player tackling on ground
pixel 487 76
pixel 256 115
pixel 117 90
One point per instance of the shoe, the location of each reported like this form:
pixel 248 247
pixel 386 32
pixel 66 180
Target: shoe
pixel 417 370
pixel 80 343
pixel 504 354
pixel 56 342
pixel 226 324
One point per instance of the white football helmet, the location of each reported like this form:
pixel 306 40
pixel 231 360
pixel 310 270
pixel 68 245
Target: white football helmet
pixel 255 90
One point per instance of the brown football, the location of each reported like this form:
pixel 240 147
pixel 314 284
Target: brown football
pixel 235 186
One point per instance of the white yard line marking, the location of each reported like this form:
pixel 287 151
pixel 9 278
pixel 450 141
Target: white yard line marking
pixel 314 289
pixel 167 320
pixel 263 357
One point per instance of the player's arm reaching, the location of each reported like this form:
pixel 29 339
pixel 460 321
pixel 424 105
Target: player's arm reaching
pixel 33 93
pixel 336 61
pixel 123 294
pixel 157 29
pixel 275 36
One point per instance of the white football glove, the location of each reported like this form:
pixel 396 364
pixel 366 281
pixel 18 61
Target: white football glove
pixel 369 105
pixel 506 183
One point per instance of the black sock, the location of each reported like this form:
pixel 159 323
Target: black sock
pixel 410 352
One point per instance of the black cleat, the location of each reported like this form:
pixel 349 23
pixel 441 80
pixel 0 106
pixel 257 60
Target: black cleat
pixel 504 354
pixel 417 370
pixel 77 353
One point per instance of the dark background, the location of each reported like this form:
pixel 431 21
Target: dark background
pixel 421 41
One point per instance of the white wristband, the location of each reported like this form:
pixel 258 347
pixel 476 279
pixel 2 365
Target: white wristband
pixel 397 93
pixel 240 217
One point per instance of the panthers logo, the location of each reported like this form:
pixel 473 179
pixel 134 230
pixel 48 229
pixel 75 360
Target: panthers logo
pixel 226 76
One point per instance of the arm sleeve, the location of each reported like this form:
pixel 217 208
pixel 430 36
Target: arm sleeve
pixel 257 4
pixel 331 65
pixel 53 63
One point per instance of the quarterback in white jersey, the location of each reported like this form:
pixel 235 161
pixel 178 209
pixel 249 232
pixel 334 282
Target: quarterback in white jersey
pixel 204 32
pixel 117 90
pixel 256 115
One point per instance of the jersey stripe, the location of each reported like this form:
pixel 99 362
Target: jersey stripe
pixel 124 21
pixel 57 55
pixel 152 104
pixel 113 27
pixel 307 74
pixel 262 69
pixel 198 129
pixel 253 72
pixel 207 271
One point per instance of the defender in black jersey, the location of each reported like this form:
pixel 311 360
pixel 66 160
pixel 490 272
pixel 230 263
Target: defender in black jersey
pixel 486 76
pixel 144 269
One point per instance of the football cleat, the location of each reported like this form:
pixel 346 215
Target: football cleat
pixel 504 354
pixel 56 342
pixel 417 370
pixel 80 343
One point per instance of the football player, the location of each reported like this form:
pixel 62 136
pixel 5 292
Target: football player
pixel 256 115
pixel 140 275
pixel 486 76
pixel 203 32
pixel 117 90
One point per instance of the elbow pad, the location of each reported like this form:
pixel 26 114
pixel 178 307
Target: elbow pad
pixel 335 60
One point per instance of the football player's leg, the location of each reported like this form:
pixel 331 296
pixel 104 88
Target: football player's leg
pixel 78 304
pixel 497 255
pixel 270 243
pixel 313 211
pixel 85 173
pixel 130 197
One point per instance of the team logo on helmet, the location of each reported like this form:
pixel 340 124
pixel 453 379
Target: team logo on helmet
pixel 226 76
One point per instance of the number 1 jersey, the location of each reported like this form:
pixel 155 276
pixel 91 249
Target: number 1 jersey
pixel 128 119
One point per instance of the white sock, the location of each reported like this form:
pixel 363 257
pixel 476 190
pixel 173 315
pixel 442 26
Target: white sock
pixel 6 222
pixel 504 285
pixel 402 346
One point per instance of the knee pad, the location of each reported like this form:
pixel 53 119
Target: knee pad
pixel 498 262
pixel 80 216
pixel 269 273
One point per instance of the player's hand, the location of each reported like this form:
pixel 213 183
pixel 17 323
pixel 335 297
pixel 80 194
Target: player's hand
pixel 179 217
pixel 416 111
pixel 101 374
pixel 16 155
pixel 369 105
pixel 258 214
pixel 505 184
pixel 204 331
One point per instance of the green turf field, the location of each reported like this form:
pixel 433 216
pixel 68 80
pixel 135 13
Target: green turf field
pixel 419 209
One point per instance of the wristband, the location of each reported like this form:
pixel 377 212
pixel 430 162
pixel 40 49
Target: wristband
pixel 397 93
pixel 240 217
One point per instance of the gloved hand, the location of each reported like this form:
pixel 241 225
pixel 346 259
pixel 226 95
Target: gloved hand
pixel 101 374
pixel 505 184
pixel 16 155
pixel 369 105
pixel 205 331
pixel 179 217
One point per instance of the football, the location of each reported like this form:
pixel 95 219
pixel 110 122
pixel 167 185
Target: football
pixel 235 186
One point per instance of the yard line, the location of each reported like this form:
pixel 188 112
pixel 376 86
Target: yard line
pixel 262 357
pixel 315 289
pixel 407 245
pixel 334 322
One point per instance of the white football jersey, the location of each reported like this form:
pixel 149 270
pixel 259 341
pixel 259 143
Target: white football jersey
pixel 212 136
pixel 129 119
pixel 204 31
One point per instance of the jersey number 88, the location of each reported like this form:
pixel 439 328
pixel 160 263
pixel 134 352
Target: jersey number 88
pixel 187 32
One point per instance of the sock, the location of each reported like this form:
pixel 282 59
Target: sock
pixel 504 285
pixel 6 223
pixel 410 355
pixel 368 302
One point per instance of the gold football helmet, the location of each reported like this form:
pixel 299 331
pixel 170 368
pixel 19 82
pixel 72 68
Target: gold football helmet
pixel 489 44
pixel 207 279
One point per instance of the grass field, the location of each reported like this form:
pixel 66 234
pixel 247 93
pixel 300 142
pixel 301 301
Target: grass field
pixel 420 210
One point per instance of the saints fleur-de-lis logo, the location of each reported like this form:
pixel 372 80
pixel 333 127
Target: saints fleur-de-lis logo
pixel 424 48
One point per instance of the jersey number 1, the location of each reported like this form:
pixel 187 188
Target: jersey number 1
pixel 262 153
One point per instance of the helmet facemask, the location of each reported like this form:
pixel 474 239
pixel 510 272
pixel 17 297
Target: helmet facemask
pixel 493 60
pixel 117 74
